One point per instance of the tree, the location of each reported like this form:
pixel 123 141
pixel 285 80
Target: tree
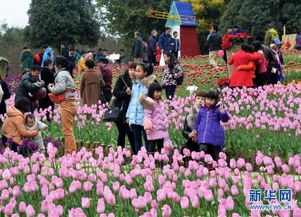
pixel 123 18
pixel 12 41
pixel 256 16
pixel 55 21
pixel 207 12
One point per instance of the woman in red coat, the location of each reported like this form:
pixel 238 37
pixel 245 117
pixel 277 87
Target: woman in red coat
pixel 242 78
pixel 158 54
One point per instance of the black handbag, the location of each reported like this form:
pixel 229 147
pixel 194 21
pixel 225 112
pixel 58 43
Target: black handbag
pixel 113 113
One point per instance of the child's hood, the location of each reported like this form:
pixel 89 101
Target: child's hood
pixel 13 112
pixel 192 116
pixel 147 81
pixel 146 101
pixel 48 50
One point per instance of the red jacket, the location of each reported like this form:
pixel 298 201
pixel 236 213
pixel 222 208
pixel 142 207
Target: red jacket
pixel 158 53
pixel 243 77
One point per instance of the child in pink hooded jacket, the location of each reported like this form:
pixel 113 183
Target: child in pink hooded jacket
pixel 155 119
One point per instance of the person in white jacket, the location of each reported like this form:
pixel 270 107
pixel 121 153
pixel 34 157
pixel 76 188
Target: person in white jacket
pixel 32 124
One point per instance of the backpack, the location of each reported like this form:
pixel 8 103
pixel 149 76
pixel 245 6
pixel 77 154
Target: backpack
pixel 37 59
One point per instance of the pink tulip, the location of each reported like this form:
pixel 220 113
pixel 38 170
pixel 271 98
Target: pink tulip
pixel 240 163
pixel 16 191
pixel 222 155
pixel 297 212
pixel 161 194
pixel 87 186
pixel 208 195
pixel 258 160
pixel 8 209
pixel 22 206
pixel 76 212
pixel 249 167
pixel 184 202
pixel 29 211
pixel 154 204
pixel 86 202
pixel 220 192
pixel 6 175
pixel 278 161
pixel 232 163
pixel 116 186
pixel 234 190
pixel 229 204
pixel 133 193
pixel 5 194
pixel 285 168
pixel 186 152
pixel 208 158
pixel 3 184
pixel 195 201
pixel 166 211
pixel 100 206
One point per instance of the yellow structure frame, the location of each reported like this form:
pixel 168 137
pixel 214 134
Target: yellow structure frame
pixel 165 16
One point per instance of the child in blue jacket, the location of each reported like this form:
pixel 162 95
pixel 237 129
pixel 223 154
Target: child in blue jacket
pixel 210 133
pixel 135 112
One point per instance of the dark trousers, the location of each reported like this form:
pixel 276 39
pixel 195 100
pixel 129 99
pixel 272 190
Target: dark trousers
pixel 176 53
pixel 152 145
pixel 192 146
pixel 261 79
pixel 273 78
pixel 170 91
pixel 13 146
pixel 123 130
pixel 138 131
pixel 107 94
pixel 212 150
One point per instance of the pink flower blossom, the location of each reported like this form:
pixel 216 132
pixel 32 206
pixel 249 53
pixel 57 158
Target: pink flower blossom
pixel 87 186
pixel 86 202
pixel 6 175
pixel 29 211
pixel 166 211
pixel 184 202
pixel 100 206
pixel 22 206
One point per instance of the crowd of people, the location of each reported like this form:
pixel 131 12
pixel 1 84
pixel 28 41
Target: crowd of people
pixel 48 80
pixel 255 64
pixel 137 94
pixel 150 51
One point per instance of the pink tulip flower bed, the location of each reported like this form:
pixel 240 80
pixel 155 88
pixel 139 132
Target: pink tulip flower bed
pixel 118 184
pixel 266 119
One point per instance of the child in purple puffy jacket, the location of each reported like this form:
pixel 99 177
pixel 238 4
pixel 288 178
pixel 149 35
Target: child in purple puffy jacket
pixel 155 118
pixel 210 133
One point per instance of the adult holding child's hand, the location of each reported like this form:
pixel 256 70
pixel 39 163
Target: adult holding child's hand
pixel 14 125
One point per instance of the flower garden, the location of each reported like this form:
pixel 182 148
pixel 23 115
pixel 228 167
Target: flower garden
pixel 261 158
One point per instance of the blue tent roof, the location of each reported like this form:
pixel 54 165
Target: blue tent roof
pixel 185 9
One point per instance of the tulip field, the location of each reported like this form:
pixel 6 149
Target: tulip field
pixel 258 174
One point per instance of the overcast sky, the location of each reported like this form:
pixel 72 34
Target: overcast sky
pixel 14 12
